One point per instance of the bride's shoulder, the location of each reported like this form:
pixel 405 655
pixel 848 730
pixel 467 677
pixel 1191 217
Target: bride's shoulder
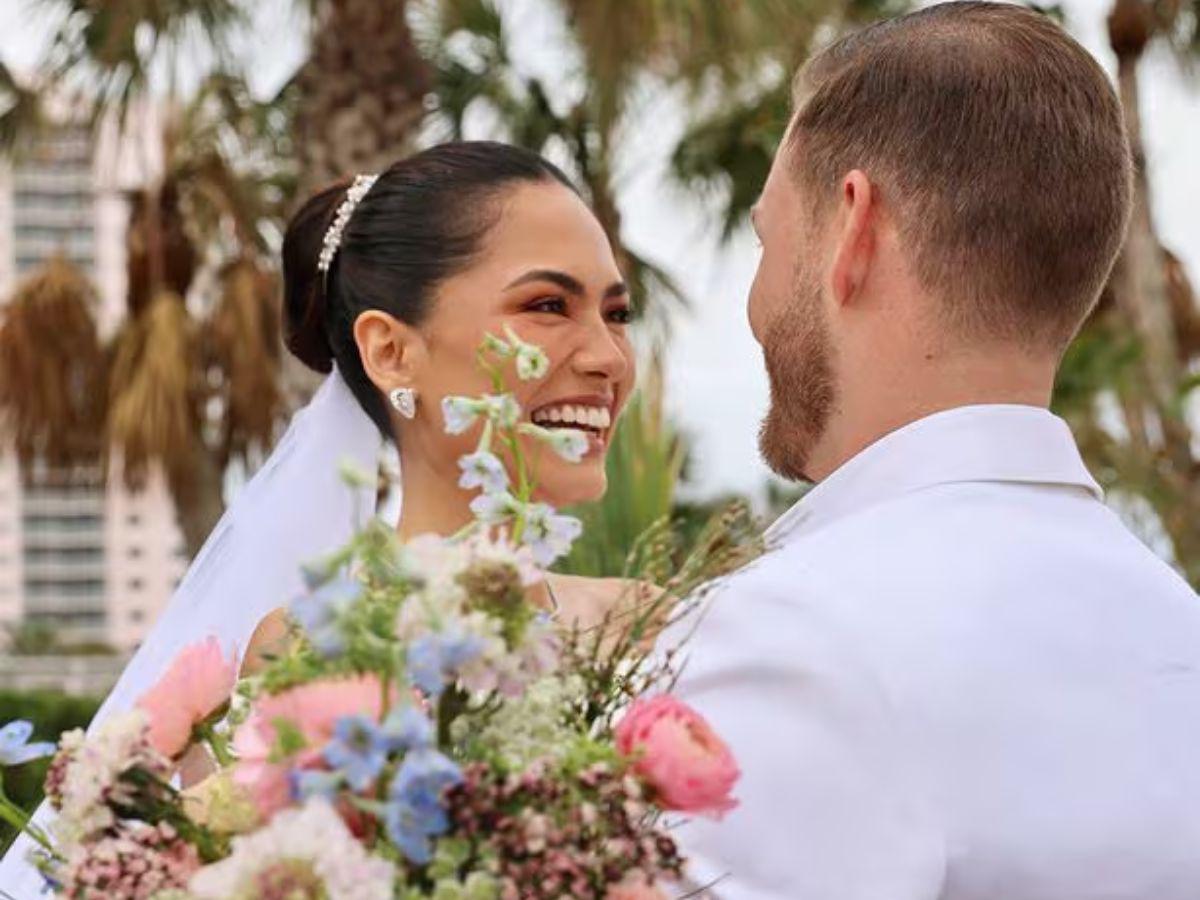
pixel 270 638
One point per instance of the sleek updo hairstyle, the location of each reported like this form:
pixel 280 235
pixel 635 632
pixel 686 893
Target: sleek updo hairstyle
pixel 422 222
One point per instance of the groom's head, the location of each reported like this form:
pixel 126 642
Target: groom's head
pixel 944 211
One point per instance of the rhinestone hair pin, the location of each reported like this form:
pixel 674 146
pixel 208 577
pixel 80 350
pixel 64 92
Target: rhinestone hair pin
pixel 333 237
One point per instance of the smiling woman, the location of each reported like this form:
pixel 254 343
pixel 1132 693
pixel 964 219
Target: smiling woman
pixel 445 247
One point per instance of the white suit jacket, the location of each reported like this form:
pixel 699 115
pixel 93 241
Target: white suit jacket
pixel 956 676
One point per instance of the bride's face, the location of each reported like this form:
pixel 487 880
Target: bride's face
pixel 546 271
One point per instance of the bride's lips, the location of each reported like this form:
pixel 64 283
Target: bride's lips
pixel 592 414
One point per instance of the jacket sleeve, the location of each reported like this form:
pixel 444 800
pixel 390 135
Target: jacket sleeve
pixel 830 807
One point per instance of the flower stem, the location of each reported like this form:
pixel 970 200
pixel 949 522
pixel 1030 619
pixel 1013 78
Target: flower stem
pixel 22 821
pixel 217 743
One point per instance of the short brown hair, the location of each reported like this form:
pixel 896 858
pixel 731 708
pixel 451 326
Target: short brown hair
pixel 1000 146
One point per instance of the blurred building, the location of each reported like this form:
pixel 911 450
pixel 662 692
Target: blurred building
pixel 93 562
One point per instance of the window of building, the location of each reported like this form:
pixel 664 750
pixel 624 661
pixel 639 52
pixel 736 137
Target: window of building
pixel 136 584
pixel 137 616
pixel 133 519
pixel 135 552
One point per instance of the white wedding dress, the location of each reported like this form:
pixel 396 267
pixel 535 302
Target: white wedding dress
pixel 296 508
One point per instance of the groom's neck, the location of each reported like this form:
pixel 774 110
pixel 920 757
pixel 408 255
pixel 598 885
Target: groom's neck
pixel 884 397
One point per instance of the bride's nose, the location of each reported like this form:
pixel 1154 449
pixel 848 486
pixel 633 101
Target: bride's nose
pixel 600 353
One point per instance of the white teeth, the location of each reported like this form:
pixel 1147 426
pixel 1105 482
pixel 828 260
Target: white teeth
pixel 597 417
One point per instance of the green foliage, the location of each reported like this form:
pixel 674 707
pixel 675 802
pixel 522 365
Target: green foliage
pixel 1101 358
pixel 643 469
pixel 51 713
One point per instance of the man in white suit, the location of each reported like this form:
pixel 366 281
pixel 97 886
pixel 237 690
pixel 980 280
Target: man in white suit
pixel 956 675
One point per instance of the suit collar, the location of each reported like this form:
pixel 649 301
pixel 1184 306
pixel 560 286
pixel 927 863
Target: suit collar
pixel 992 443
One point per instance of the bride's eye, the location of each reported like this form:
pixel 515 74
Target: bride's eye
pixel 555 305
pixel 622 315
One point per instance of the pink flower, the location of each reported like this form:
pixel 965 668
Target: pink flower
pixel 197 684
pixel 674 749
pixel 312 710
pixel 634 887
pixel 134 862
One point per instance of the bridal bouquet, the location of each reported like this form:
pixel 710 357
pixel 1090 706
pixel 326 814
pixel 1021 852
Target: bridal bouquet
pixel 428 731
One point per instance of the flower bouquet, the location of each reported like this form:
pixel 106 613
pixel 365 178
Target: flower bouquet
pixel 427 730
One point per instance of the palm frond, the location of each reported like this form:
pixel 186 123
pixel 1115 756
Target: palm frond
pixel 20 112
pixel 727 154
pixel 112 50
pixel 52 368
pixel 240 343
pixel 153 415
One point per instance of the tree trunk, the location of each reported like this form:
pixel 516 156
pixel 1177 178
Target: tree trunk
pixel 1163 465
pixel 197 490
pixel 1139 280
pixel 362 91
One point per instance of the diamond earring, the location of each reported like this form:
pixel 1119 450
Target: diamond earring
pixel 404 400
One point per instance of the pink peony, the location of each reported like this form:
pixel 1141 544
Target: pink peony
pixel 674 749
pixel 313 710
pixel 634 887
pixel 197 684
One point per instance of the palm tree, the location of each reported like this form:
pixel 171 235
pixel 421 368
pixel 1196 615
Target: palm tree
pixel 192 380
pixel 1148 321
pixel 361 92
pixel 187 389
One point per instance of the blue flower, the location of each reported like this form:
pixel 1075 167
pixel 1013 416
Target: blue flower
pixel 414 812
pixel 319 613
pixel 358 750
pixel 494 509
pixel 407 728
pixel 15 748
pixel 306 783
pixel 433 659
pixel 547 535
pixel 483 470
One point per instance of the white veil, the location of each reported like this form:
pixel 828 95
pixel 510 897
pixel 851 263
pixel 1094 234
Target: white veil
pixel 296 508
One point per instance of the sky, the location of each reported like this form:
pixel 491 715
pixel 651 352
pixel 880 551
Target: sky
pixel 716 386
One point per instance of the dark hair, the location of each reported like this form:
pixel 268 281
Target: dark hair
pixel 420 223
pixel 1000 146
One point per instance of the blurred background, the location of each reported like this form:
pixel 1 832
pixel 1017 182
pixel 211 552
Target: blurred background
pixel 151 150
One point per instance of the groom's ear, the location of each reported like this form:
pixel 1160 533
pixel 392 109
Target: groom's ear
pixel 391 350
pixel 853 237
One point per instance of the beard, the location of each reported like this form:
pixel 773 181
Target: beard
pixel 798 352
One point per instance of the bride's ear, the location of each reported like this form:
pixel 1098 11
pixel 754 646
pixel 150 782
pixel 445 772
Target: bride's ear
pixel 391 350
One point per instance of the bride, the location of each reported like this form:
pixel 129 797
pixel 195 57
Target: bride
pixel 391 283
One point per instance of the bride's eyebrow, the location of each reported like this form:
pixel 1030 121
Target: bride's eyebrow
pixel 568 283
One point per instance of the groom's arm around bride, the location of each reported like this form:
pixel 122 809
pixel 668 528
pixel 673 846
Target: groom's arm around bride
pixel 956 674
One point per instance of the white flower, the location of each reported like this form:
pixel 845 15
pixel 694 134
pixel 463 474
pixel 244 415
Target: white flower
pixel 499 549
pixel 460 413
pixel 312 839
pixel 483 470
pixel 548 535
pixel 532 727
pixel 494 509
pixel 569 443
pixel 502 409
pixel 532 361
pixel 91 781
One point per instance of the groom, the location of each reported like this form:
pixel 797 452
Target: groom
pixel 956 675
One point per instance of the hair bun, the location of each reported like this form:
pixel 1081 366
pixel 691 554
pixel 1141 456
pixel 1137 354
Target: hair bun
pixel 304 296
